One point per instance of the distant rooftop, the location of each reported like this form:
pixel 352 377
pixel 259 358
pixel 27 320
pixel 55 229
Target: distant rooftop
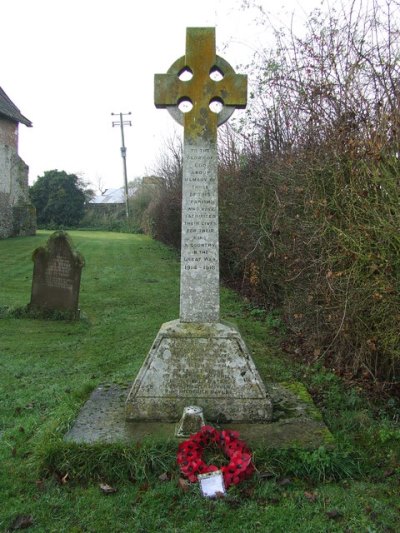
pixel 9 110
pixel 110 196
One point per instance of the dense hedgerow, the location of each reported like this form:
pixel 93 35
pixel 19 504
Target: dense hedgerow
pixel 309 187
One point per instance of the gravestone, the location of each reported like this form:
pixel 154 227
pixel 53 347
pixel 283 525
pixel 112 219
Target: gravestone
pixel 56 276
pixel 198 360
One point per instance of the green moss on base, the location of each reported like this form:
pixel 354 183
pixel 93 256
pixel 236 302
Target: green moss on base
pixel 300 391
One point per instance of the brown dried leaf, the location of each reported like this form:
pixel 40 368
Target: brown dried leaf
pixel 284 482
pixel 389 472
pixel 107 489
pixel 40 484
pixel 166 476
pixel 311 496
pixel 64 479
pixel 183 484
pixel 144 487
pixel 21 522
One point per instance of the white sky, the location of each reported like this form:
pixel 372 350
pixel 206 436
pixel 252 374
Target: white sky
pixel 67 64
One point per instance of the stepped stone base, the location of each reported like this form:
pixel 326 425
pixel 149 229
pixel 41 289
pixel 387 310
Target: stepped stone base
pixel 198 364
pixel 296 421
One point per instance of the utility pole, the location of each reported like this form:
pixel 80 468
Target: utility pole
pixel 121 122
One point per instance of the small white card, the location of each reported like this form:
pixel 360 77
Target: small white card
pixel 212 484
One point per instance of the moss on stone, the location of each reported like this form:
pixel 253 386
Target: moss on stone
pixel 52 242
pixel 300 391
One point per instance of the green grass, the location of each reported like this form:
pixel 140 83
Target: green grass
pixel 130 285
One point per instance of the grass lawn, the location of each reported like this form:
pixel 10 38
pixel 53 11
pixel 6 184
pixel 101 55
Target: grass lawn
pixel 130 286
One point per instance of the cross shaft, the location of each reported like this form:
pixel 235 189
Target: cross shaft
pixel 199 294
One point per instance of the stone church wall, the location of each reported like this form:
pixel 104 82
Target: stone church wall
pixel 17 215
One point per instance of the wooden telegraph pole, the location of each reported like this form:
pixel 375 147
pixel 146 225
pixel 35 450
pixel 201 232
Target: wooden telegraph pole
pixel 121 122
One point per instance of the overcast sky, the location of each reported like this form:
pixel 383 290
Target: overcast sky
pixel 67 64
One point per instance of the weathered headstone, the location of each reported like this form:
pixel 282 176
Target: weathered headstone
pixel 197 359
pixel 56 276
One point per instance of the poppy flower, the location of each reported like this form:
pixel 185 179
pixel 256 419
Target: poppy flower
pixel 189 456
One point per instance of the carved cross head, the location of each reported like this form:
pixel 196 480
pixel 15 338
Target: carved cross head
pixel 200 90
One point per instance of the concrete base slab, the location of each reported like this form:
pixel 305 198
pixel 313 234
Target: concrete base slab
pixel 296 421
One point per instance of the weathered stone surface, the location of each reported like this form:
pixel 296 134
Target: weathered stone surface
pixel 199 296
pixel 197 360
pixel 198 364
pixel 17 214
pixel 56 276
pixel 296 421
pixel 6 216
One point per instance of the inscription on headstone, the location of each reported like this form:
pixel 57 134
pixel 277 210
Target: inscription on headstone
pixel 197 360
pixel 56 276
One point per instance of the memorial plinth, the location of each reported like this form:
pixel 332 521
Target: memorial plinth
pixel 197 359
pixel 198 364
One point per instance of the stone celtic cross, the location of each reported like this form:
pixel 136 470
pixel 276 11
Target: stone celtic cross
pixel 197 360
pixel 201 81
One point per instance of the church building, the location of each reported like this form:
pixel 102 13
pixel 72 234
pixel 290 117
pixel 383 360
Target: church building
pixel 17 214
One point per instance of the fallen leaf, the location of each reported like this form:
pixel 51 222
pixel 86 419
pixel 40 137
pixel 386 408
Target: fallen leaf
pixel 389 472
pixel 247 492
pixel 40 484
pixel 21 522
pixel 311 496
pixel 284 482
pixel 164 477
pixel 334 514
pixel 107 489
pixel 64 479
pixel 144 487
pixel 184 484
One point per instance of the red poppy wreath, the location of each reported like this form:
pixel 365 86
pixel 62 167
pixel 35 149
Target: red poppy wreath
pixel 190 454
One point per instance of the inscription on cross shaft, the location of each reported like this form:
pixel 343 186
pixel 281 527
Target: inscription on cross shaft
pixel 199 291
